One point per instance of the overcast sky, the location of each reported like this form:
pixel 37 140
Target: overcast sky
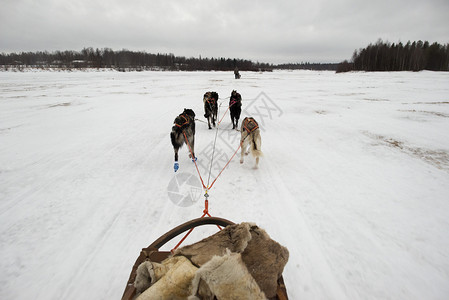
pixel 265 31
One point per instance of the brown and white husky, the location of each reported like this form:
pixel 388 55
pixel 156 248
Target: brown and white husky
pixel 250 137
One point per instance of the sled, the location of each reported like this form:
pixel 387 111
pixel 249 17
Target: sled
pixel 152 253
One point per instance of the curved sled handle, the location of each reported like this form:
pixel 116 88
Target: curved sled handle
pixel 130 290
pixel 187 226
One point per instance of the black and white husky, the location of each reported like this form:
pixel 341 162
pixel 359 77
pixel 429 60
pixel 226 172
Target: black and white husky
pixel 235 108
pixel 182 131
pixel 210 100
pixel 250 136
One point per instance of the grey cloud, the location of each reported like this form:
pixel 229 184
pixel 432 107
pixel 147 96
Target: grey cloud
pixel 272 31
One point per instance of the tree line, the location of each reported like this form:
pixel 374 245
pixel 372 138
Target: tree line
pixel 308 66
pixel 384 56
pixel 124 60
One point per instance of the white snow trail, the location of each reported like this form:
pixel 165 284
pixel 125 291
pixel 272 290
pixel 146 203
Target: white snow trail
pixel 354 178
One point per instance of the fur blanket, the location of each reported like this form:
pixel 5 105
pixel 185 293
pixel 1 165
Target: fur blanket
pixel 172 279
pixel 239 262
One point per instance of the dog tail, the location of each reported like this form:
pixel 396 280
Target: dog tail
pixel 256 153
pixel 256 145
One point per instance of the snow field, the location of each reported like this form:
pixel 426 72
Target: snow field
pixel 354 178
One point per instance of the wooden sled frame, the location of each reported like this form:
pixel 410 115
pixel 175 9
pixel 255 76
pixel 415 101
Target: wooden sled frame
pixel 153 254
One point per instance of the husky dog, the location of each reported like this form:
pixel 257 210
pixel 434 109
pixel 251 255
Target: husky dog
pixel 184 129
pixel 210 100
pixel 235 108
pixel 250 136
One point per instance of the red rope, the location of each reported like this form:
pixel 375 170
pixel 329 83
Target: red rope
pixel 232 103
pixel 182 240
pixel 194 161
pixel 225 166
pixel 205 213
pixel 206 202
pixel 224 114
pixel 202 182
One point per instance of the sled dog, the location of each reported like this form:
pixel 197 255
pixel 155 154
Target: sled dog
pixel 250 136
pixel 235 108
pixel 184 129
pixel 210 100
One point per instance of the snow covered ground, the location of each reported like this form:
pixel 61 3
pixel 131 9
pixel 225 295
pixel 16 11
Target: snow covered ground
pixel 354 181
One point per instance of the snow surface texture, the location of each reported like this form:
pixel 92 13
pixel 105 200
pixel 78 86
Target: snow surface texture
pixel 354 180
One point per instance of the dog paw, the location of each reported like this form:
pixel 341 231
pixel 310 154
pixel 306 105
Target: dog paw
pixel 241 161
pixel 176 166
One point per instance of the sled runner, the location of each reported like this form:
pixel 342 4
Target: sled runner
pixel 152 254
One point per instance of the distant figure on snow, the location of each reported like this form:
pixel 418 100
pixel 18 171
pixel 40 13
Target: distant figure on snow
pixel 236 73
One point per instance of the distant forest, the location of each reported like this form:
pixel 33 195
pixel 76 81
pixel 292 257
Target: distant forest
pixel 308 66
pixel 381 56
pixel 125 60
pixel 384 56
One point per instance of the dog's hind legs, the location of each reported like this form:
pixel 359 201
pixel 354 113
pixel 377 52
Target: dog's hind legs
pixel 192 146
pixel 243 147
pixel 257 163
pixel 176 164
pixel 214 118
pixel 176 153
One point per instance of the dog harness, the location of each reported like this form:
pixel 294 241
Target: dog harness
pixel 234 101
pixel 185 123
pixel 235 98
pixel 211 97
pixel 211 100
pixel 250 125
